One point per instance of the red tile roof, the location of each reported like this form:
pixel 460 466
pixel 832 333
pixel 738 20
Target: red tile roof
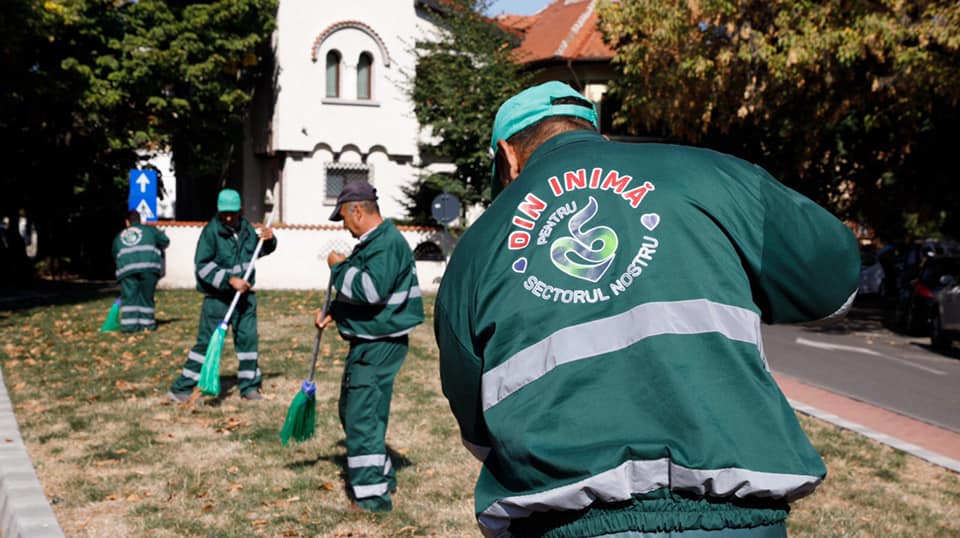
pixel 564 30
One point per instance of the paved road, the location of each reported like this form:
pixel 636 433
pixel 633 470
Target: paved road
pixel 863 360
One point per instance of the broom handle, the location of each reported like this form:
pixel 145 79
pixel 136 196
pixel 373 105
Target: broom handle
pixel 246 275
pixel 316 344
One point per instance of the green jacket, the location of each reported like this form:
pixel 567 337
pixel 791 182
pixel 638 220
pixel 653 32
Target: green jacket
pixel 222 254
pixel 139 249
pixel 378 295
pixel 599 335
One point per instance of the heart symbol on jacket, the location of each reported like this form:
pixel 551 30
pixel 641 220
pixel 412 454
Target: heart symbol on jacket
pixel 650 221
pixel 520 265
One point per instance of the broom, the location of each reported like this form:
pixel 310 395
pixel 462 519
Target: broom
pixel 112 323
pixel 209 383
pixel 301 417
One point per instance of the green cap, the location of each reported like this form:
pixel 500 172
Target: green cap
pixel 529 107
pixel 228 200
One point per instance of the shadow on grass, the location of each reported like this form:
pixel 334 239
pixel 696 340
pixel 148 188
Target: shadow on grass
pixel 40 293
pixel 398 460
pixel 227 385
pixel 161 322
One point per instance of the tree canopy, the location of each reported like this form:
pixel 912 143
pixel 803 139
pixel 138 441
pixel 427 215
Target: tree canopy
pixel 852 102
pixel 462 76
pixel 89 85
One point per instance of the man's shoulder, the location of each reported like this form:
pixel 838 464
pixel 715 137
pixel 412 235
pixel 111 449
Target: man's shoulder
pixel 388 232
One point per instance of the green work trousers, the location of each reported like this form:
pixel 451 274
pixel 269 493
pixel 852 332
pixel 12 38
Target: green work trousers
pixel 365 394
pixel 778 530
pixel 244 325
pixel 137 309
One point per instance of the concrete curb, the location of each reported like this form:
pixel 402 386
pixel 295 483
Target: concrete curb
pixel 899 444
pixel 24 510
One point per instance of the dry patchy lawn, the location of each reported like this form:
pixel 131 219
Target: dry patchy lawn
pixel 116 459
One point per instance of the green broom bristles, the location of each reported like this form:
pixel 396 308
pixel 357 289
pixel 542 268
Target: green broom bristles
pixel 112 323
pixel 210 373
pixel 301 418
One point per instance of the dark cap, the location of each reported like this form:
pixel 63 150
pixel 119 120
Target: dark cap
pixel 353 191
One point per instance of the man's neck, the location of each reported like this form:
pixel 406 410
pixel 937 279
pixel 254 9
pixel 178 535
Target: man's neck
pixel 376 221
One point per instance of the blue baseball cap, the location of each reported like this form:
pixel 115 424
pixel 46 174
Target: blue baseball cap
pixel 228 200
pixel 529 107
pixel 353 191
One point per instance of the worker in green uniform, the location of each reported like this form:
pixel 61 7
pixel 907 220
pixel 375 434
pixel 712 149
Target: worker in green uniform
pixel 224 252
pixel 138 252
pixel 599 332
pixel 377 304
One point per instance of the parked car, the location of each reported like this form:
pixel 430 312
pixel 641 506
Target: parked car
pixel 914 309
pixel 945 321
pixel 871 274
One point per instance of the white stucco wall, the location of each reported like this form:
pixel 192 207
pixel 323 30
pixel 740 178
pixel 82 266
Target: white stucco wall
pixel 300 261
pixel 303 184
pixel 311 130
pixel 304 118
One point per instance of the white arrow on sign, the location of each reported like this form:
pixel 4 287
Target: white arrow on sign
pixel 143 181
pixel 144 209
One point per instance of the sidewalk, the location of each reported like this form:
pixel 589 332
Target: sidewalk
pixel 934 444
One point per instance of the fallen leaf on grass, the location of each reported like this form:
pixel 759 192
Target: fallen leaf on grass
pixel 233 469
pixel 235 487
pixel 259 522
pixel 327 486
pixel 208 507
pixel 124 385
pixel 104 463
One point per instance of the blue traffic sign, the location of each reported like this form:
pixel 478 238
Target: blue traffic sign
pixel 143 194
pixel 445 208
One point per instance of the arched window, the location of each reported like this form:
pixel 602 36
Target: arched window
pixel 364 75
pixel 333 74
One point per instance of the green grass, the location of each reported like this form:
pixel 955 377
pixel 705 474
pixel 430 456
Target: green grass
pixel 124 462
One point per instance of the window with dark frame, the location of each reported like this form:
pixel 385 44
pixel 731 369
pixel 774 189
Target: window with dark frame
pixel 333 74
pixel 339 175
pixel 364 76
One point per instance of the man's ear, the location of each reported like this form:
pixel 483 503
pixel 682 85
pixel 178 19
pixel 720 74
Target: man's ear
pixel 512 159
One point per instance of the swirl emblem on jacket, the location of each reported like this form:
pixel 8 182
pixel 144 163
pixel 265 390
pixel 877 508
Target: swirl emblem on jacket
pixel 587 253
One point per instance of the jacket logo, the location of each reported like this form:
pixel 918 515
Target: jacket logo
pixel 567 226
pixel 585 254
pixel 131 236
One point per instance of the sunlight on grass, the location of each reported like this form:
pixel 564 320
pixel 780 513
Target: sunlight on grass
pixel 125 462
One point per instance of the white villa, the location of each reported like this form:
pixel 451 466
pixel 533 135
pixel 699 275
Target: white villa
pixel 338 109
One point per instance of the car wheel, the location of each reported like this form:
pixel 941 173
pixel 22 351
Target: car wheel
pixel 938 340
